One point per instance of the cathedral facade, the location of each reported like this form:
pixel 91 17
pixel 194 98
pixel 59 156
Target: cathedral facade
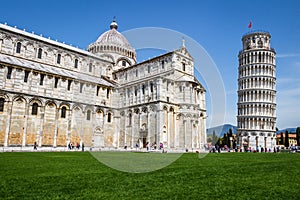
pixel 53 94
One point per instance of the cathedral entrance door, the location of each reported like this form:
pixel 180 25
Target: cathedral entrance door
pixel 143 137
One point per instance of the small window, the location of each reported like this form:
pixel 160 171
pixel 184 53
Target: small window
pixel 162 64
pixel 109 117
pixel 143 89
pixel 149 68
pixel 55 82
pixel 63 112
pixel 136 73
pixel 90 67
pixel 107 93
pixel 135 92
pixel 151 87
pixel 42 79
pixel 123 63
pixel 58 58
pixel 34 110
pixel 183 67
pixel 9 71
pixel 69 84
pixel 129 119
pixel 97 90
pixel 26 76
pixel 40 51
pixel 18 50
pixel 2 101
pixel 81 87
pixel 76 63
pixel 88 115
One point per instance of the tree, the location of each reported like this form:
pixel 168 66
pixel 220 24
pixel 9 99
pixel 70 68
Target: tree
pixel 281 138
pixel 298 135
pixel 286 141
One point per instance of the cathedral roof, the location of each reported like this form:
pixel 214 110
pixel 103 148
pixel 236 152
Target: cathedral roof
pixel 53 70
pixel 112 41
pixel 113 37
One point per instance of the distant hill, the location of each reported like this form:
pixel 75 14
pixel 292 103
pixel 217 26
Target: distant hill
pixel 290 130
pixel 220 130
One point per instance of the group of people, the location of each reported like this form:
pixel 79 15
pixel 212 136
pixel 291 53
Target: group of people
pixel 148 147
pixel 71 146
pixel 218 149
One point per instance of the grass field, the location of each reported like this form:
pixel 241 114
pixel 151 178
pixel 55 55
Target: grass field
pixel 78 175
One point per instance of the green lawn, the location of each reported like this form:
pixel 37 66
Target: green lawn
pixel 78 175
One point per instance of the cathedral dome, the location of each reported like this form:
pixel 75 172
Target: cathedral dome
pixel 112 41
pixel 113 37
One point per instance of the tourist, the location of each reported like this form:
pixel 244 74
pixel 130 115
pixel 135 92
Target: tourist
pixel 82 147
pixel 136 146
pixel 161 146
pixel 34 146
pixel 147 146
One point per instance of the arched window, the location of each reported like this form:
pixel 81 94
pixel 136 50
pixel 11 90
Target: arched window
pixel 90 67
pixel 123 63
pixel 18 50
pixel 109 117
pixel 34 110
pixel 42 79
pixel 135 91
pixel 26 76
pixel 129 119
pixel 2 101
pixel 107 93
pixel 143 89
pixel 55 82
pixel 9 71
pixel 88 115
pixel 63 112
pixel 58 58
pixel 69 85
pixel 76 63
pixel 40 51
pixel 81 87
pixel 151 87
pixel 183 67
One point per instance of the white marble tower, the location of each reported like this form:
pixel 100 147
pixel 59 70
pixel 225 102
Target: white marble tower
pixel 256 120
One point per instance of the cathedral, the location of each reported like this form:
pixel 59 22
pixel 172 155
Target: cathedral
pixel 53 94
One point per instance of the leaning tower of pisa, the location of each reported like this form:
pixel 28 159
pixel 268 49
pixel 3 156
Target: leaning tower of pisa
pixel 256 119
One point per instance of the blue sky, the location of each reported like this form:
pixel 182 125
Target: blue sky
pixel 217 25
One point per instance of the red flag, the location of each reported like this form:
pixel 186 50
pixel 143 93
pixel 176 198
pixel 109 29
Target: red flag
pixel 250 24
